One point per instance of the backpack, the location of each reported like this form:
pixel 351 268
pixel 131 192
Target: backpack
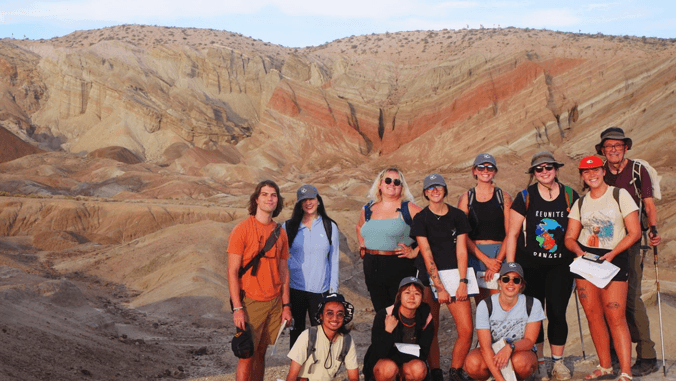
pixel 654 178
pixel 404 212
pixel 471 196
pixel 292 229
pixel 529 305
pixel 312 341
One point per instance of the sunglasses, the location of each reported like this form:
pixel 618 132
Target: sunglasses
pixel 488 167
pixel 435 187
pixel 541 168
pixel 338 315
pixel 389 181
pixel 506 279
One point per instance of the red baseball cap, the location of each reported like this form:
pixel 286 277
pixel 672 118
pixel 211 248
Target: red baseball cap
pixel 590 162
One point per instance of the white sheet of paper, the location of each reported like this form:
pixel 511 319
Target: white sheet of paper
pixel 508 370
pixel 410 349
pixel 451 279
pixel 599 274
pixel 492 285
pixel 279 333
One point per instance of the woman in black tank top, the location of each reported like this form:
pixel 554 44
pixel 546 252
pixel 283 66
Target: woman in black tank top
pixel 487 208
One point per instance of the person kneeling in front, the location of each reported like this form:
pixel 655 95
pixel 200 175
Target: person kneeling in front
pixel 319 351
pixel 511 318
pixel 401 337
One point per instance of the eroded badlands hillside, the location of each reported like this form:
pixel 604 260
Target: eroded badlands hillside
pixel 127 155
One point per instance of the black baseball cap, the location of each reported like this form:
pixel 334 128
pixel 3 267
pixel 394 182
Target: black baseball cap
pixel 242 343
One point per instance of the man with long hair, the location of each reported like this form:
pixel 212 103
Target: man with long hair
pixel 260 292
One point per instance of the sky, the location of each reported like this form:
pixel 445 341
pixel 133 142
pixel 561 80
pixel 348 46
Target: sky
pixel 300 23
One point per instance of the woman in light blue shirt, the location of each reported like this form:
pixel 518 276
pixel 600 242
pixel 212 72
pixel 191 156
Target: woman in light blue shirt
pixel 313 257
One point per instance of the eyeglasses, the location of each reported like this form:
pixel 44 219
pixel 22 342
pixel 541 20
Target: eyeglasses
pixel 488 167
pixel 339 315
pixel 506 279
pixel 541 168
pixel 389 181
pixel 435 187
pixel 614 147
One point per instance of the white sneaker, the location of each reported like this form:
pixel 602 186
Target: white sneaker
pixel 541 372
pixel 560 371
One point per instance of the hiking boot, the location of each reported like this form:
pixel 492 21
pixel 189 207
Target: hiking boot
pixel 437 374
pixel 541 372
pixel 560 371
pixel 643 367
pixel 457 375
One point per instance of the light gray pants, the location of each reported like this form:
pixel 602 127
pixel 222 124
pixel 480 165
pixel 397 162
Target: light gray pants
pixel 637 317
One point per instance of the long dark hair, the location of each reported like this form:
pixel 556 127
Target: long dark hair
pixel 253 204
pixel 293 223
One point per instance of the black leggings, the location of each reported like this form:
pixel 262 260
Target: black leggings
pixel 552 286
pixel 382 274
pixel 302 303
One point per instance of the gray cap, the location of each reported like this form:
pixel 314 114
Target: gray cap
pixel 511 267
pixel 543 157
pixel 485 158
pixel 433 179
pixel 614 133
pixel 411 280
pixel 305 192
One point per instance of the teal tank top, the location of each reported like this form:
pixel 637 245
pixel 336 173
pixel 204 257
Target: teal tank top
pixel 386 234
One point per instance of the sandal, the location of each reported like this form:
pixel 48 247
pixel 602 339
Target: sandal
pixel 625 377
pixel 601 373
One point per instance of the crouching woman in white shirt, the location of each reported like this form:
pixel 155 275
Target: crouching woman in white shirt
pixel 514 318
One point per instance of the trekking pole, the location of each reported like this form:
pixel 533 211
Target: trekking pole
pixel 659 308
pixel 579 322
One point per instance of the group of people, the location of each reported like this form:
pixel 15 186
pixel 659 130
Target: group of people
pixel 513 255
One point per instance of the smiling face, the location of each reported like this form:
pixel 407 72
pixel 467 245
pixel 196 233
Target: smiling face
pixel 548 174
pixel 509 288
pixel 614 150
pixel 435 194
pixel 333 316
pixel 593 177
pixel 484 172
pixel 410 297
pixel 391 189
pixel 310 206
pixel 267 199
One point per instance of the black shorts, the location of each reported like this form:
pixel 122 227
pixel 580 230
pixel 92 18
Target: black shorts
pixel 621 260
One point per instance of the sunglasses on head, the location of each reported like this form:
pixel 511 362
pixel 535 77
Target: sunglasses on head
pixel 487 167
pixel 389 181
pixel 541 168
pixel 506 279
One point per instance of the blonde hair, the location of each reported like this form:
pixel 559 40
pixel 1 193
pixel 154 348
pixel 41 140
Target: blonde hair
pixel 374 192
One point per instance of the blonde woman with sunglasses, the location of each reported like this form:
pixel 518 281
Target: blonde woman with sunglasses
pixel 539 247
pixel 487 208
pixel 383 232
pixel 513 318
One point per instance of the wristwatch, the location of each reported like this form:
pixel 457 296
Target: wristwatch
pixel 511 345
pixel 286 305
pixel 464 280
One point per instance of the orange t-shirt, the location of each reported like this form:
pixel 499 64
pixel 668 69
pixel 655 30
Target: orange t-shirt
pixel 247 239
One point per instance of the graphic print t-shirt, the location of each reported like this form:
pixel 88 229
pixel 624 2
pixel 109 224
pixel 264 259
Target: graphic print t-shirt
pixel 602 222
pixel 546 223
pixel 508 324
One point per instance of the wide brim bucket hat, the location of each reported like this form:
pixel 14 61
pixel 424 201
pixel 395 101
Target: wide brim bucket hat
pixel 615 133
pixel 543 157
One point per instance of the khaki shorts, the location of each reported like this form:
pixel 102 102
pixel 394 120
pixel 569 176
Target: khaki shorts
pixel 265 319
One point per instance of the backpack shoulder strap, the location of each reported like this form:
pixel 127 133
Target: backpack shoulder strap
pixel 367 210
pixel 405 213
pixel 328 228
pixel 501 198
pixel 579 204
pixel 616 196
pixel 489 305
pixel 636 179
pixel 529 304
pixel 269 243
pixel 311 344
pixel 347 341
pixel 524 194
pixel 569 196
pixel 471 195
pixel 291 231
